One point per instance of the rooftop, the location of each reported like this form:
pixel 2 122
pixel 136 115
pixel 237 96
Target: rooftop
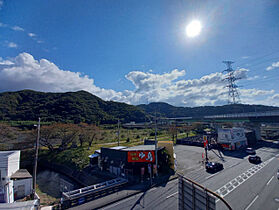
pixel 141 147
pixel 8 153
pixel 21 174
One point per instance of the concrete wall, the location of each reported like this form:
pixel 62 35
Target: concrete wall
pixel 26 205
pixel 27 185
pixel 9 162
pixel 7 190
pixel 13 162
pixel 169 147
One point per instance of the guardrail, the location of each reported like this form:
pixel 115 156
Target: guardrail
pixel 85 194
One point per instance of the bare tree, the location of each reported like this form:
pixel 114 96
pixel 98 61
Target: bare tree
pixel 48 136
pixel 66 133
pixel 173 131
pixel 94 133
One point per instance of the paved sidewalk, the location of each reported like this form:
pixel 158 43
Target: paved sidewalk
pixel 122 194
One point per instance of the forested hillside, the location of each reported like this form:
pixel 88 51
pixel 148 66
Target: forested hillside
pixel 74 107
pixel 167 110
pixel 81 106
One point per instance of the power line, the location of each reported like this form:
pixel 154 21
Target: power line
pixel 258 58
pixel 233 94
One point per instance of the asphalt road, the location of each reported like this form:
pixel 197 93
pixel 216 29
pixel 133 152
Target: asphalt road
pixel 242 184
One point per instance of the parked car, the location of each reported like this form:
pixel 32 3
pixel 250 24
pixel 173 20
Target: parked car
pixel 213 166
pixel 250 151
pixel 254 159
pixel 278 174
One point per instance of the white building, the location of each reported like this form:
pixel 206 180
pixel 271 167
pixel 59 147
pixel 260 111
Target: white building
pixel 15 183
pixel 232 138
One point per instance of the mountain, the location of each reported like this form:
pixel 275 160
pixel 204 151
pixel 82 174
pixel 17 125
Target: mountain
pixel 74 107
pixel 167 110
pixel 81 106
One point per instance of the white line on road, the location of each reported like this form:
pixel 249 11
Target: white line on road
pixel 172 195
pixel 269 180
pixel 119 202
pixel 277 155
pixel 213 175
pixel 252 202
pixel 236 182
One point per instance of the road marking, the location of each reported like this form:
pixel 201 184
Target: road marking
pixel 277 155
pixel 172 195
pixel 252 202
pixel 269 181
pixel 213 175
pixel 233 165
pixel 236 182
pixel 119 202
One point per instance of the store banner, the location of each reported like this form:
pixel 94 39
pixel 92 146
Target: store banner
pixel 141 156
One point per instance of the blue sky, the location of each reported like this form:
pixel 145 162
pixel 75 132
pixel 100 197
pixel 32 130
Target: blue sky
pixel 138 52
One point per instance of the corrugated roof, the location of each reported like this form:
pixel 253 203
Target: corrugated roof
pixel 21 174
pixel 141 147
pixel 118 147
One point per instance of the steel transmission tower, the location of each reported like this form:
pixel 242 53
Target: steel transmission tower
pixel 233 95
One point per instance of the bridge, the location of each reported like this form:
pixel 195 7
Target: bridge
pixel 268 116
pixel 82 195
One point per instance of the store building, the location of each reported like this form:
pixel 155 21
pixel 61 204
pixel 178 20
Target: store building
pixel 133 162
pixel 232 138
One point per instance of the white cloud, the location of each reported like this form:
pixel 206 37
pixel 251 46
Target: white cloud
pixel 17 28
pixel 275 97
pixel 31 34
pixel 1 4
pixel 245 57
pixel 273 66
pixel 253 78
pixel 24 72
pixel 11 45
pixel 3 25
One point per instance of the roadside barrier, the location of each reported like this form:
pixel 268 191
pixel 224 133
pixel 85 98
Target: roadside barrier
pixel 82 195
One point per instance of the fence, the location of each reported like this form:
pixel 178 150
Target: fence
pixel 79 196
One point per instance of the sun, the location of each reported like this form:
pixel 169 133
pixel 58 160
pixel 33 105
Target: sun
pixel 193 28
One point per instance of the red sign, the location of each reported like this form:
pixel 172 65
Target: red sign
pixel 205 142
pixel 141 156
pixel 225 145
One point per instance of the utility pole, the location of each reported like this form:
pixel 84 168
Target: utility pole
pixel 233 95
pixel 118 125
pixel 36 158
pixel 156 146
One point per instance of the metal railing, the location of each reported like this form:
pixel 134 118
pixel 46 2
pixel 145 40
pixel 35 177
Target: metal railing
pixel 80 196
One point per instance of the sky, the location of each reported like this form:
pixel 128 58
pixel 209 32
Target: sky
pixel 138 52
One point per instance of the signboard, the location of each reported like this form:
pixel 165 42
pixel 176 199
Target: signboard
pixel 191 196
pixel 205 142
pixel 141 156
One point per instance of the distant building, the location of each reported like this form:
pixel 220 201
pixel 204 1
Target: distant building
pixel 232 138
pixel 15 183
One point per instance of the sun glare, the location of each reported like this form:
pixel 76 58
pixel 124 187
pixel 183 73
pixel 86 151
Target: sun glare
pixel 194 28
